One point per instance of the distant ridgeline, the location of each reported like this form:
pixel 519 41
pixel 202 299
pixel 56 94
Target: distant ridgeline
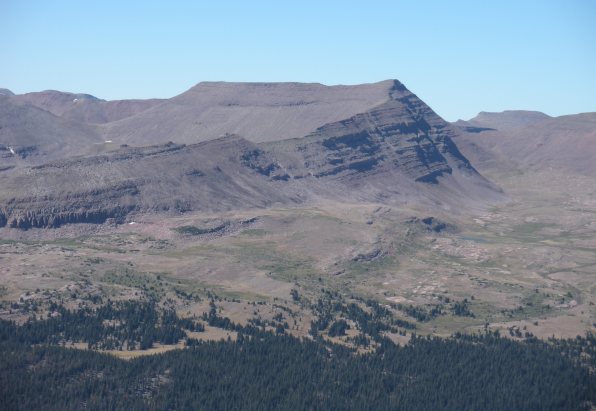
pixel 271 370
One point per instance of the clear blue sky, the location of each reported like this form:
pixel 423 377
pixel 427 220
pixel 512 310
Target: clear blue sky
pixel 460 57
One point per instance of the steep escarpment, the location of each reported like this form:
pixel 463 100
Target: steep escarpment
pixel 95 206
pixel 402 134
pixel 217 175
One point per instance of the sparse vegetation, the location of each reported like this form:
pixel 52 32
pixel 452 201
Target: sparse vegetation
pixel 192 230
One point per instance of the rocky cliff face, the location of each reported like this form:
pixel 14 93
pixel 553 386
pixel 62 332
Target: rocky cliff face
pixel 95 206
pixel 217 175
pixel 403 133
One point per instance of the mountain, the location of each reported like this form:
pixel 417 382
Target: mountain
pixel 31 135
pixel 303 143
pixel 394 149
pixel 85 108
pixel 258 111
pixel 505 120
pixel 538 142
pixel 213 175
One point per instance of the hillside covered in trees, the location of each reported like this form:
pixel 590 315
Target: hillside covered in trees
pixel 261 370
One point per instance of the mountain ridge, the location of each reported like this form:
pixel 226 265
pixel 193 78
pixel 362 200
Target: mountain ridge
pixel 504 120
pixel 565 142
pixel 397 149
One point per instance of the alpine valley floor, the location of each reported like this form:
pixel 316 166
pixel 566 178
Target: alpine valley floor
pixel 526 267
